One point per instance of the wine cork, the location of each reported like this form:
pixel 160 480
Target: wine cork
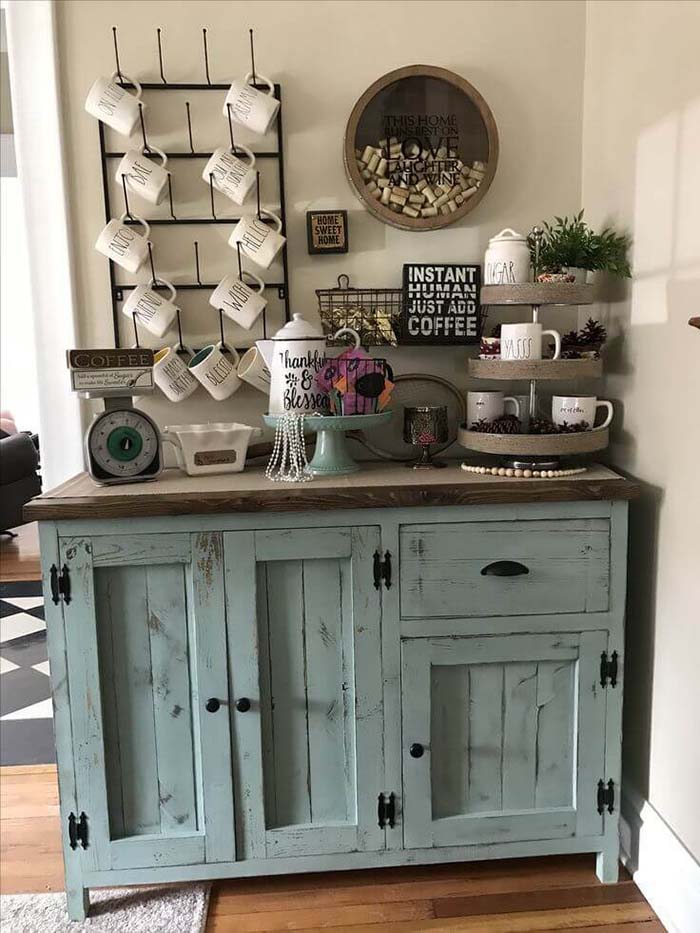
pixel 377 193
pixel 366 174
pixel 371 185
pixel 421 184
pixel 416 199
pixel 429 194
pixel 444 209
pixel 452 206
pixel 383 182
pixel 441 201
pixel 386 194
pixel 410 211
pixel 429 211
pixel 469 192
pixel 381 167
pixel 400 192
pixel 373 162
pixel 367 154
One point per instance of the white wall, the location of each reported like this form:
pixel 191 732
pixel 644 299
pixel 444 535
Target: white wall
pixel 641 169
pixel 525 58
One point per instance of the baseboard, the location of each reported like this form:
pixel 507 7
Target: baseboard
pixel 663 869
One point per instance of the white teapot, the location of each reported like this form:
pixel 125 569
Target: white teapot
pixel 294 356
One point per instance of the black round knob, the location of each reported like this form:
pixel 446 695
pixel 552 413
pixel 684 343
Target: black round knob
pixel 243 705
pixel 416 750
pixel 212 705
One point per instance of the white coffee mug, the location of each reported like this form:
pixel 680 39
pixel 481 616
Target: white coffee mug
pixel 156 312
pixel 230 174
pixel 143 176
pixel 259 241
pixel 250 107
pixel 215 371
pixel 113 104
pixel 575 409
pixel 122 244
pixel 254 370
pixel 487 406
pixel 171 375
pixel 524 342
pixel 238 300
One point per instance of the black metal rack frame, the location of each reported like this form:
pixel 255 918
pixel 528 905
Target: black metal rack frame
pixel 117 289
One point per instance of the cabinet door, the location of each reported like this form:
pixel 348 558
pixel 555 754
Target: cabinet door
pixel 304 624
pixel 146 646
pixel 503 738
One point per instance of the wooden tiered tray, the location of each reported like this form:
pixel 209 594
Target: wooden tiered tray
pixel 536 369
pixel 537 293
pixel 534 445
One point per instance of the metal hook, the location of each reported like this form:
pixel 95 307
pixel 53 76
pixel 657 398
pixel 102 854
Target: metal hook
pixel 230 129
pixel 221 330
pixel 116 53
pixel 252 56
pixel 196 262
pixel 257 188
pixel 154 278
pixel 126 198
pixel 264 317
pixel 170 196
pixel 136 330
pixel 146 148
pixel 206 55
pixel 240 267
pixel 189 125
pixel 160 57
pixel 181 345
pixel 211 194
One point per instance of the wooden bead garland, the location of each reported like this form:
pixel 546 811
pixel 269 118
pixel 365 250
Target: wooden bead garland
pixel 512 473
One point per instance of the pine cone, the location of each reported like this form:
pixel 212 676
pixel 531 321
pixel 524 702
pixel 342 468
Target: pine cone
pixel 566 428
pixel 570 339
pixel 506 424
pixel 542 426
pixel 571 354
pixel 593 333
pixel 481 426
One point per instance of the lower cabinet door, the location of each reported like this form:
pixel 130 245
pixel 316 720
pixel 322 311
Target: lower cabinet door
pixel 146 640
pixel 503 738
pixel 304 629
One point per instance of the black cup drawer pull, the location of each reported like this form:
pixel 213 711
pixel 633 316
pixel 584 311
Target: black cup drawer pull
pixel 504 568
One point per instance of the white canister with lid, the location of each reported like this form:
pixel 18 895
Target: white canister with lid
pixel 507 259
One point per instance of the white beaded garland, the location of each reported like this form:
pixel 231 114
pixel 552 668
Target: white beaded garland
pixel 522 474
pixel 288 463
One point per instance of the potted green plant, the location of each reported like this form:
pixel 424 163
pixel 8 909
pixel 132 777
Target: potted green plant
pixel 569 249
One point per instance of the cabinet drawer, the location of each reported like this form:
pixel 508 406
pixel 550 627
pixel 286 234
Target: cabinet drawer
pixel 447 570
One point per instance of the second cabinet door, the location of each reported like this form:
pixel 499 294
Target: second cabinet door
pixel 503 738
pixel 304 630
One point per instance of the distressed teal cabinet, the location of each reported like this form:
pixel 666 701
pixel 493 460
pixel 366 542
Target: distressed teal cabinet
pixel 258 693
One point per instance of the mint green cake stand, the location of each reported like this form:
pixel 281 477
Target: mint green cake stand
pixel 332 457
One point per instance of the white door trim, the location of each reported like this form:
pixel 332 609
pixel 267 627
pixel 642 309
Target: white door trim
pixel 36 114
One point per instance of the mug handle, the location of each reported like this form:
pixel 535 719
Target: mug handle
pixel 516 403
pixel 557 342
pixel 277 221
pixel 164 158
pixel 171 288
pixel 258 281
pixel 261 79
pixel 225 348
pixel 140 220
pixel 246 151
pixel 125 78
pixel 348 330
pixel 608 405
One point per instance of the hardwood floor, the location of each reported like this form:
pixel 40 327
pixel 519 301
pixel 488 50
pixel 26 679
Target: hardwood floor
pixel 19 557
pixel 521 896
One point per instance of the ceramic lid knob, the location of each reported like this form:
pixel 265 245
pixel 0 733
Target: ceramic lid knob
pixel 298 329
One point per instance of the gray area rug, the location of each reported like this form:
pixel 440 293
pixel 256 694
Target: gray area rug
pixel 176 909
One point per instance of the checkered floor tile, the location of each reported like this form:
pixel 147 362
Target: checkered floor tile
pixel 26 726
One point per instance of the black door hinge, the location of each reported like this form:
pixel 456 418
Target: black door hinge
pixel 382 570
pixel 606 796
pixel 60 584
pixel 77 831
pixel 608 669
pixel 386 810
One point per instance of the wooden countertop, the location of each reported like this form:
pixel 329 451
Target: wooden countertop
pixel 377 485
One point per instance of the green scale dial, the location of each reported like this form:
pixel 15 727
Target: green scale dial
pixel 123 446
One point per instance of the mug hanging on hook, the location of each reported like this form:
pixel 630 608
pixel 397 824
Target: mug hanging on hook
pixel 145 177
pixel 111 103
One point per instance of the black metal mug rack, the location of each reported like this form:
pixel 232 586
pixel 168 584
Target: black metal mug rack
pixel 117 289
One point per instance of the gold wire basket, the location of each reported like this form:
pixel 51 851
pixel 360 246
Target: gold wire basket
pixel 375 313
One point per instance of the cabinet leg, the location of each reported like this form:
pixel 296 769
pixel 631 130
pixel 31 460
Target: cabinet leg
pixel 607 865
pixel 78 903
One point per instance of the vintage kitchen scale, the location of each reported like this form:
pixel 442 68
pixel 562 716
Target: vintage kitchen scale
pixel 123 444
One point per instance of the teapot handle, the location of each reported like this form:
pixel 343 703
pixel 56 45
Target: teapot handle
pixel 348 330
